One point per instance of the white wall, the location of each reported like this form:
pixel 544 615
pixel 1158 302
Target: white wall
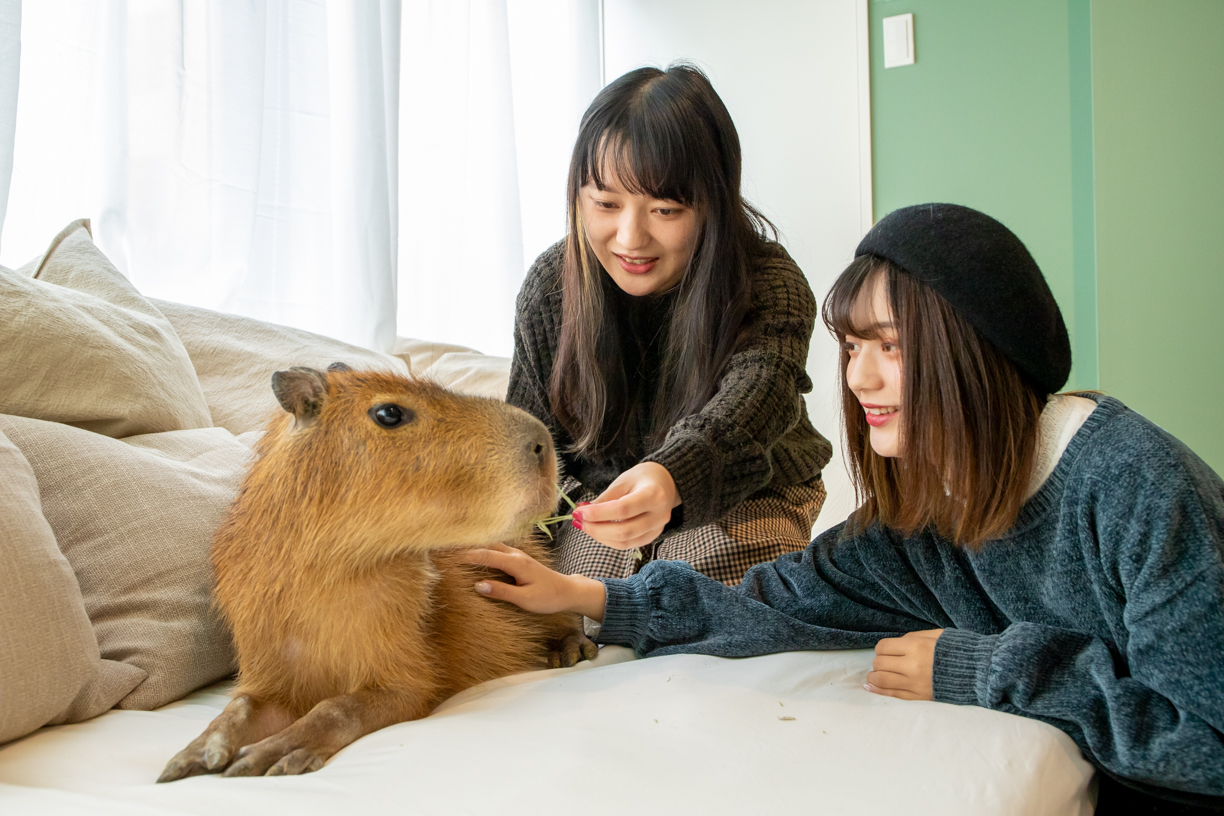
pixel 794 75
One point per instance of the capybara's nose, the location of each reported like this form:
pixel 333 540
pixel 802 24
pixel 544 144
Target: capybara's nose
pixel 540 446
pixel 531 442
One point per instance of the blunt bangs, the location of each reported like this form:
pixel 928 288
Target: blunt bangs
pixel 641 167
pixel 847 308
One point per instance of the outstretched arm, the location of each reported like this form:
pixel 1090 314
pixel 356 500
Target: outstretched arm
pixel 833 595
pixel 827 597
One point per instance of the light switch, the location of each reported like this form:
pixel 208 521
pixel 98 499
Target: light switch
pixel 898 40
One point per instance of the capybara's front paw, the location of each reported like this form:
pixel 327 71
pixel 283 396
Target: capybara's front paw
pixel 569 649
pixel 274 756
pixel 208 753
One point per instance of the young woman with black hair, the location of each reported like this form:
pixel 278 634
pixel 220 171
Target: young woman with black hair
pixel 1056 557
pixel 664 343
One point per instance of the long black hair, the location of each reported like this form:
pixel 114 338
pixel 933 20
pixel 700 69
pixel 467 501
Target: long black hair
pixel 665 134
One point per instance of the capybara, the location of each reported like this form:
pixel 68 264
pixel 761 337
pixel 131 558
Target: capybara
pixel 339 566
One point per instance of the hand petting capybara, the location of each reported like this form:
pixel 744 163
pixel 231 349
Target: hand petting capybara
pixel 339 566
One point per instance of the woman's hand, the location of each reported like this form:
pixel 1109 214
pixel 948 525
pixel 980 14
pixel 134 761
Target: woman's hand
pixel 536 588
pixel 633 510
pixel 904 666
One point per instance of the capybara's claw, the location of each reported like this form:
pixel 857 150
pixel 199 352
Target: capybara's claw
pixel 299 762
pixel 590 649
pixel 274 756
pixel 187 762
pixel 570 650
pixel 174 770
pixel 215 759
pixel 207 753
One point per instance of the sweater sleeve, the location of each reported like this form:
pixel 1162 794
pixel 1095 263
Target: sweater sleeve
pixel 827 597
pixel 1154 716
pixel 721 455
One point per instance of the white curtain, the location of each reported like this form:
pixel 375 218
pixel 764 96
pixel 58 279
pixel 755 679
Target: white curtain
pixel 491 96
pixel 265 157
pixel 10 63
pixel 235 155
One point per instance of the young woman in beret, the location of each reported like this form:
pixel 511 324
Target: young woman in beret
pixel 664 343
pixel 1056 557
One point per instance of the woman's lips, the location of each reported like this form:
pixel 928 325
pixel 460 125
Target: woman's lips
pixel 627 263
pixel 880 415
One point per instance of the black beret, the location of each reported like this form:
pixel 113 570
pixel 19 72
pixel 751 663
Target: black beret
pixel 987 275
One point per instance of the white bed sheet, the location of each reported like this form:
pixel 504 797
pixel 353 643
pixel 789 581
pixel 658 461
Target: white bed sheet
pixel 677 735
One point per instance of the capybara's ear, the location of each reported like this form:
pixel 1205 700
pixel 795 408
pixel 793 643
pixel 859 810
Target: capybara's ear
pixel 301 391
pixel 339 366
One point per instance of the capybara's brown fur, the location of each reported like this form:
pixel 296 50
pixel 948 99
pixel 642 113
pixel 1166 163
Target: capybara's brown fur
pixel 339 566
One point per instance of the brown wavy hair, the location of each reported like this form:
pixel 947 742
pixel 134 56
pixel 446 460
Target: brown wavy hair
pixel 665 134
pixel 969 422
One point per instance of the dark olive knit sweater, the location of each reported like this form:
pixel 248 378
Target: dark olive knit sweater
pixel 752 433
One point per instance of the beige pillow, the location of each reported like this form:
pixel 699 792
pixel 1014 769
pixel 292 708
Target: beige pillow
pixel 421 354
pixel 234 358
pixel 79 345
pixel 456 367
pixel 50 669
pixel 471 373
pixel 135 519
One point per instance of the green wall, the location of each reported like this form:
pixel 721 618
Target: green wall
pixel 1158 91
pixel 983 118
pixel 1093 131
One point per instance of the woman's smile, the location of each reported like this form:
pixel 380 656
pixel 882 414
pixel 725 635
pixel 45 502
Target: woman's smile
pixel 635 265
pixel 880 415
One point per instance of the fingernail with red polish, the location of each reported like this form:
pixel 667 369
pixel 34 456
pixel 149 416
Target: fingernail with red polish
pixel 576 521
pixel 582 504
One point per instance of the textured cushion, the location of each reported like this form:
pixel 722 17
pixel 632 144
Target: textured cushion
pixel 135 519
pixel 50 669
pixel 456 367
pixel 421 354
pixel 79 345
pixel 471 373
pixel 234 358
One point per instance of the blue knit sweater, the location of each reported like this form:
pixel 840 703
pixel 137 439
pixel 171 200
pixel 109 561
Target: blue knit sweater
pixel 1101 612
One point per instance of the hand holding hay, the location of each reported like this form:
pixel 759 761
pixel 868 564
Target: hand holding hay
pixel 633 511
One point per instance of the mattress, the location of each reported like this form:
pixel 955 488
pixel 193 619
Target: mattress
pixel 783 733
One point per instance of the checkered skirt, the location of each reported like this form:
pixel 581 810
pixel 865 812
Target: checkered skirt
pixel 767 524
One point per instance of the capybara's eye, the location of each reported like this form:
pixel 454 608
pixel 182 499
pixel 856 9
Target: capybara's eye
pixel 391 416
